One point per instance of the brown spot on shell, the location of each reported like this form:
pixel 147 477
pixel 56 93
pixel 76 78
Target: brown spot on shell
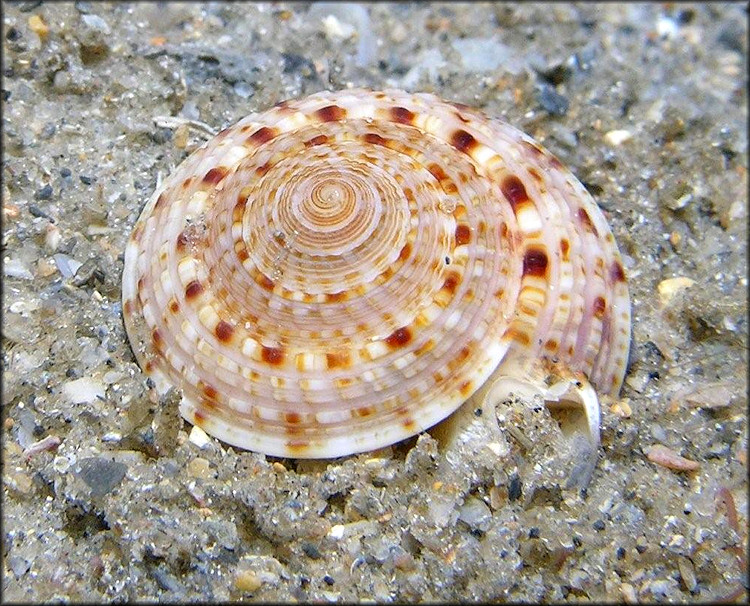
pixel 518 336
pixel 160 201
pixel 514 190
pixel 319 140
pixel 535 262
pixel 402 115
pixel 463 234
pixel 193 289
pixel 266 282
pixel 600 305
pixel 586 222
pixel 127 306
pixel 157 339
pixel 174 306
pixel 463 141
pixel 564 248
pixel 374 139
pixel 617 272
pixel 331 113
pixel 263 135
pixel 336 297
pixel 297 447
pixel 338 359
pixel 182 241
pixel 451 282
pixel 214 175
pixel 292 418
pixel 399 337
pixel 209 391
pixel 405 252
pixel 224 331
pixel 272 355
pixel 363 411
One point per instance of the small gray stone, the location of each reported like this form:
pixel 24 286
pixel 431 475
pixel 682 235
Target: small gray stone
pixel 101 475
pixel 552 101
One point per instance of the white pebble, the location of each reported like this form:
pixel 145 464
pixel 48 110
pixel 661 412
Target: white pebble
pixel 617 137
pixel 199 437
pixel 83 390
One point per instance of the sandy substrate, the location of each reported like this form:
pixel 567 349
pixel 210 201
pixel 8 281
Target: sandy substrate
pixel 105 497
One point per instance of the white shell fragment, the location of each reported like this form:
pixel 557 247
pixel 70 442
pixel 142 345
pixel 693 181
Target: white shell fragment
pixel 343 271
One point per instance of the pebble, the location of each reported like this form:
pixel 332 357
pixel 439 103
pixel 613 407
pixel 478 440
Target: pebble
pixel 476 514
pixel 101 475
pixel 67 265
pixel 712 395
pixel 199 437
pixel 247 580
pixel 661 455
pixel 45 193
pixel 481 54
pixel 39 27
pixel 617 137
pixel 552 101
pixel 670 287
pixel 199 468
pixel 628 593
pixel 15 268
pixel 84 390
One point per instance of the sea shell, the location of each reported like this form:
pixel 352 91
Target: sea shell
pixel 343 271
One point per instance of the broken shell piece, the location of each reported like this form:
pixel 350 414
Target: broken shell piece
pixel 670 287
pixel 661 455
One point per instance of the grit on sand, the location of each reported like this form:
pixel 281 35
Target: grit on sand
pixel 106 496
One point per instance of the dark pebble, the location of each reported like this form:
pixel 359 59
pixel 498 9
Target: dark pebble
pixel 514 488
pixel 552 101
pixel 599 525
pixel 65 172
pixel 85 180
pixel 6 95
pixel 45 193
pixel 556 74
pixel 620 553
pixel 26 7
pixel 534 533
pixel 329 579
pixel 48 130
pixel 101 475
pixel 732 38
pixel 38 212
pixel 12 34
pixel 641 548
pixel 297 64
pixel 311 551
pixel 84 8
pixel 685 16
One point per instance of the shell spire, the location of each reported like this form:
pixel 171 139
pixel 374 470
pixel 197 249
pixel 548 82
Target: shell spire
pixel 343 271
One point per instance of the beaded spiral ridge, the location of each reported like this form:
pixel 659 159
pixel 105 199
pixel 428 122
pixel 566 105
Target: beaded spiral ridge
pixel 343 271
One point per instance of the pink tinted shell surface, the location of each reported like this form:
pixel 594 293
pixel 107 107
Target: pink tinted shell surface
pixel 343 271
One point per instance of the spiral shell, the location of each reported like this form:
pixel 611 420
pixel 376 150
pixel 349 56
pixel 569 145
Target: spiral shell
pixel 343 271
